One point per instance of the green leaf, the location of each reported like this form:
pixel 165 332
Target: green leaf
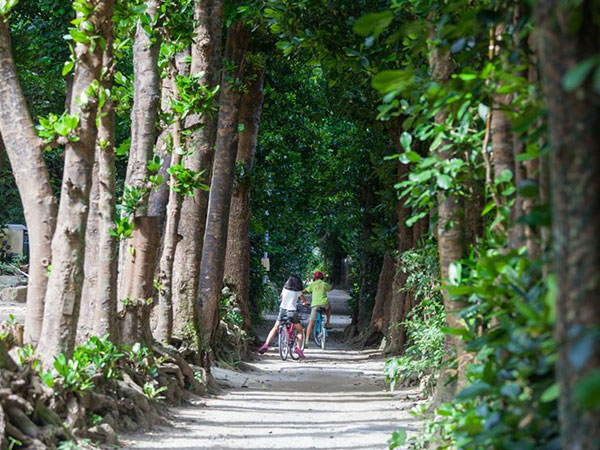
pixel 393 80
pixel 455 273
pixel 398 438
pixel 420 177
pixel 373 23
pixel 550 394
pixel 444 181
pixel 587 390
pixel 405 141
pixel 475 390
pixel 68 67
pixel 491 205
pixel 577 75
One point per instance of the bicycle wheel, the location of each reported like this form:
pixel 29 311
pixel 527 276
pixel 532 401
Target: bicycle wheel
pixel 323 336
pixel 292 345
pixel 317 329
pixel 284 348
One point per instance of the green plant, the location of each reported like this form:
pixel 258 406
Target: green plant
pixel 152 392
pixel 424 324
pixel 510 401
pixel 12 443
pixel 143 359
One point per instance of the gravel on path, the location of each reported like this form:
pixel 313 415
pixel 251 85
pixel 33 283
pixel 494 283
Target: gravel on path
pixel 335 399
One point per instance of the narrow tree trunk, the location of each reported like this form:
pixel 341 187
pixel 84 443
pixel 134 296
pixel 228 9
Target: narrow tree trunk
pixel 144 116
pixel 139 278
pixel 63 294
pixel 212 264
pixel 206 61
pixel 450 235
pixel 25 151
pixel 164 327
pixel 237 260
pixel 159 197
pixel 364 296
pixel 568 36
pixel 105 310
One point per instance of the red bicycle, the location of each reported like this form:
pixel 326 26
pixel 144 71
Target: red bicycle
pixel 287 339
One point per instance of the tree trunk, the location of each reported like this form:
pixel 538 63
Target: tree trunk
pixel 568 36
pixel 380 317
pixel 401 300
pixel 105 311
pixel 365 300
pixel 164 327
pixel 212 263
pixel 144 116
pixel 25 151
pixel 237 260
pixel 206 61
pixel 450 234
pixel 139 278
pixel 63 294
pixel 159 197
pixel 90 264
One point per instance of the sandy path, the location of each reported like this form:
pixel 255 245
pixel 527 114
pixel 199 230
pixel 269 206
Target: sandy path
pixel 335 399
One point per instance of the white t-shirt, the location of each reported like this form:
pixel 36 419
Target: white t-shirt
pixel 289 299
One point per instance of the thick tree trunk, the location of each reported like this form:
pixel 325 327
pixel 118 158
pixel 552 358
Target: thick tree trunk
pixel 568 36
pixel 25 151
pixel 144 116
pixel 237 260
pixel 206 61
pixel 139 288
pixel 105 309
pixel 90 264
pixel 402 301
pixel 63 294
pixel 164 327
pixel 450 235
pixel 380 317
pixel 212 264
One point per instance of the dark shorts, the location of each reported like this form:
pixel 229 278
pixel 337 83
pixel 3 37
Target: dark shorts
pixel 292 315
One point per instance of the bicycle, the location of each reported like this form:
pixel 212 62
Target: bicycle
pixel 287 339
pixel 319 330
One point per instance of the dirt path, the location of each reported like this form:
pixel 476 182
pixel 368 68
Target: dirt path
pixel 335 399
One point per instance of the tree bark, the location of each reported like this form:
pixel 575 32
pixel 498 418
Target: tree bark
pixel 212 263
pixel 450 234
pixel 380 317
pixel 401 302
pixel 63 294
pixel 105 309
pixel 159 197
pixel 25 151
pixel 90 263
pixel 164 327
pixel 206 61
pixel 237 260
pixel 568 36
pixel 139 278
pixel 144 117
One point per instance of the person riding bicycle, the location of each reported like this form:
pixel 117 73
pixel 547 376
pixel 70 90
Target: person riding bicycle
pixel 292 290
pixel 318 288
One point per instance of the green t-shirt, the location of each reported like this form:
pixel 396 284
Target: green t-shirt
pixel 319 290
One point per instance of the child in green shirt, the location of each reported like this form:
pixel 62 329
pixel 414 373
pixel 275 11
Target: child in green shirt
pixel 318 288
